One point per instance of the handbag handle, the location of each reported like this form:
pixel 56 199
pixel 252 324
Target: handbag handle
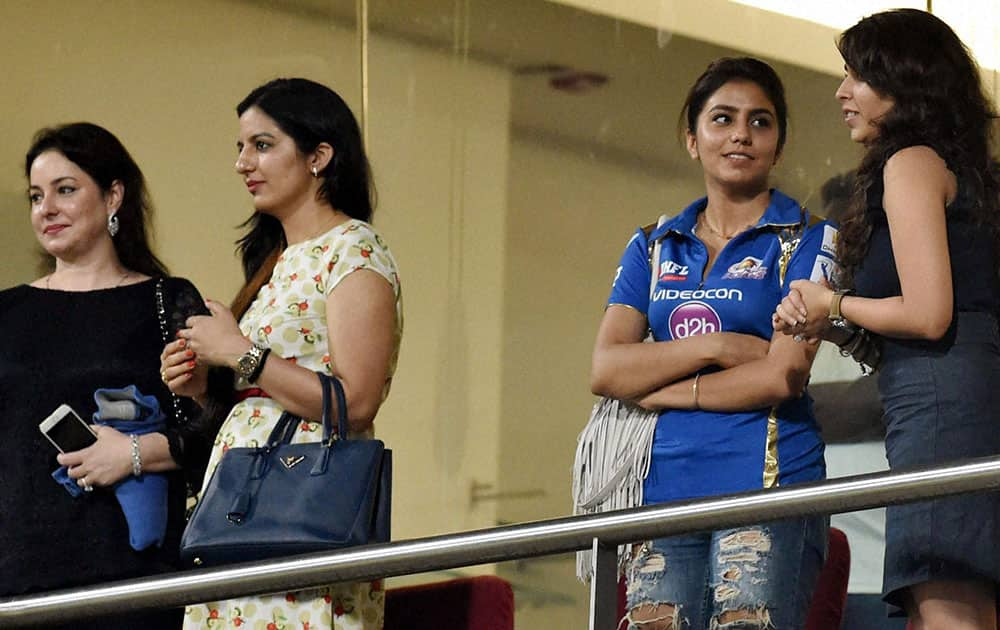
pixel 328 381
pixel 284 429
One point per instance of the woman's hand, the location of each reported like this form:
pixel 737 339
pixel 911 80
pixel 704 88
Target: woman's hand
pixel 181 372
pixel 805 311
pixel 737 348
pixel 790 313
pixel 104 463
pixel 215 339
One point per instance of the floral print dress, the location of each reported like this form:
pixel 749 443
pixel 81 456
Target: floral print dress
pixel 289 316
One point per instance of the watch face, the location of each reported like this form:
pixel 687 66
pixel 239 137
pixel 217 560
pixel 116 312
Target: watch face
pixel 246 364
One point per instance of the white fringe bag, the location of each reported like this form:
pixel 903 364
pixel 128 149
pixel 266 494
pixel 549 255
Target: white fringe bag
pixel 613 454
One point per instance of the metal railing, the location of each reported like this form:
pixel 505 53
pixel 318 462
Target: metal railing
pixel 600 532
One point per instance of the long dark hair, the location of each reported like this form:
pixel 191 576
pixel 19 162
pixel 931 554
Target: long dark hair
pixel 310 113
pixel 722 71
pixel 103 157
pixel 916 60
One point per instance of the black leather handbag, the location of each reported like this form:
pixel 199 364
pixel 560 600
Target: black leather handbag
pixel 283 499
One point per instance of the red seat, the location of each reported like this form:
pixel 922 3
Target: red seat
pixel 829 599
pixel 484 602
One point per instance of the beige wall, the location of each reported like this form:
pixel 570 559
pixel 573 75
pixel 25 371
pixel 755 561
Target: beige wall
pixel 569 217
pixel 439 142
pixel 570 213
pixel 165 77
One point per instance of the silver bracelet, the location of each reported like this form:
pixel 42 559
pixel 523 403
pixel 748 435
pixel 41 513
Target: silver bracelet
pixel 136 456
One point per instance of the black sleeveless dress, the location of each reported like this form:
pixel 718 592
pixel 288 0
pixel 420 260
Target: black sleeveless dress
pixel 942 403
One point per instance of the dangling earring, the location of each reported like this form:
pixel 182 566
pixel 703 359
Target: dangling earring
pixel 113 224
pixel 315 172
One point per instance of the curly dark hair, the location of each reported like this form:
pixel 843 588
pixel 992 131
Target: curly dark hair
pixel 915 59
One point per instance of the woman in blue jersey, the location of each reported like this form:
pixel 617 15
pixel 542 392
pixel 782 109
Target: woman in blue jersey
pixel 733 414
pixel 919 252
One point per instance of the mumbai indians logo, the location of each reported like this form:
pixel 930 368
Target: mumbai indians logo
pixel 749 268
pixel 694 318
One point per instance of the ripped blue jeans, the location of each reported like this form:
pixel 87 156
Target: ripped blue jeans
pixel 712 578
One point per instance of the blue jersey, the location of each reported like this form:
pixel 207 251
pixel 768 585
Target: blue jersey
pixel 696 452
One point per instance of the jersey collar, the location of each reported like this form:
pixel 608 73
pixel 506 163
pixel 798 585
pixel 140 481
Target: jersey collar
pixel 782 211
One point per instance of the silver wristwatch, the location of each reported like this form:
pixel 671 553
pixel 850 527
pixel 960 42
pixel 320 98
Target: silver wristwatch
pixel 246 365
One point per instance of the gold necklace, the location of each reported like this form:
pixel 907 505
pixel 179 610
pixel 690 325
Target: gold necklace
pixel 703 222
pixel 121 280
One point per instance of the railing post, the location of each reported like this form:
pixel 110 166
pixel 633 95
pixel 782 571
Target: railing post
pixel 604 586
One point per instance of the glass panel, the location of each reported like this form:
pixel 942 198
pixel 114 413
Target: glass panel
pixel 165 78
pixel 517 145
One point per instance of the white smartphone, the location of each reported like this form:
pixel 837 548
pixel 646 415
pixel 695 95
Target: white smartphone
pixel 66 430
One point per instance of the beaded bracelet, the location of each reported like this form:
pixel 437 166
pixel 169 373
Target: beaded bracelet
pixel 136 456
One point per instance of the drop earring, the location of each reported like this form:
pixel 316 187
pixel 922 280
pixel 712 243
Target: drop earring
pixel 315 172
pixel 113 224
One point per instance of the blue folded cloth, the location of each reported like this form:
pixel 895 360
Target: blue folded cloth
pixel 144 498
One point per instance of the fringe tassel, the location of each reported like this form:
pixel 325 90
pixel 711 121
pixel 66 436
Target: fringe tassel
pixel 611 463
pixel 613 450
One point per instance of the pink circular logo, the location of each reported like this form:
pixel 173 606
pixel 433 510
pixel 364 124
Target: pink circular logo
pixel 694 318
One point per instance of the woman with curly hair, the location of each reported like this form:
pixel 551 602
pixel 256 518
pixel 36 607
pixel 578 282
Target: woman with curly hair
pixel 919 253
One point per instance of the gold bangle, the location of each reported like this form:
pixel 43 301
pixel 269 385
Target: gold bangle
pixel 694 390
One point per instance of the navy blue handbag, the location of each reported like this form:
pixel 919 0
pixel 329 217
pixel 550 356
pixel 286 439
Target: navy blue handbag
pixel 282 499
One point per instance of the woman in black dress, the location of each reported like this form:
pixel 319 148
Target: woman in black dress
pixel 93 322
pixel 919 255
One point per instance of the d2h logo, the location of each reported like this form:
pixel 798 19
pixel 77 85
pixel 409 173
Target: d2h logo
pixel 693 318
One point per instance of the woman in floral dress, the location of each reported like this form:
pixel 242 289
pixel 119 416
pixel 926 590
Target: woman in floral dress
pixel 322 294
